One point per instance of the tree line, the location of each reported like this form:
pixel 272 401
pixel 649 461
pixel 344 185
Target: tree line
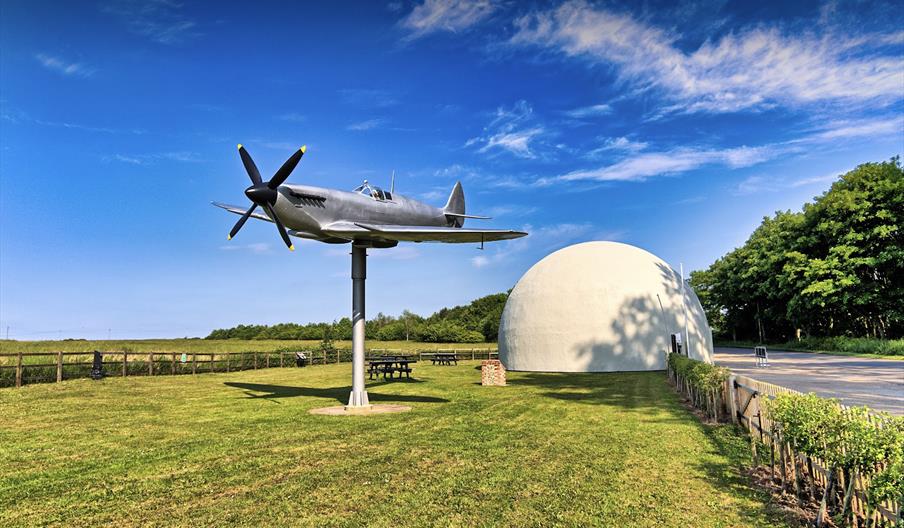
pixel 835 268
pixel 473 323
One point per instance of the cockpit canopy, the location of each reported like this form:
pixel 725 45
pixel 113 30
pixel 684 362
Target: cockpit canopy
pixel 373 192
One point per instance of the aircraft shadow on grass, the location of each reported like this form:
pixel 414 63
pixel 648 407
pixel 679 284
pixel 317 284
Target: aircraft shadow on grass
pixel 270 392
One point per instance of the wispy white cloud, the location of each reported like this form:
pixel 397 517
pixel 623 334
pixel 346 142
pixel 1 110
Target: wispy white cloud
pixel 445 15
pixel 542 239
pixel 617 144
pixel 511 130
pixel 647 165
pixel 760 183
pixel 433 195
pixel 676 161
pixel 149 159
pixel 124 159
pixel 17 116
pixel 400 252
pixel 88 128
pixel 847 129
pixel 517 211
pixel 64 67
pixel 746 70
pixel 159 20
pixel 274 144
pixel 590 111
pixel 690 200
pixel 257 248
pixel 369 124
pixel 293 117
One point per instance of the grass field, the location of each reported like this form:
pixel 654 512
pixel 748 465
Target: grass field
pixel 241 449
pixel 211 345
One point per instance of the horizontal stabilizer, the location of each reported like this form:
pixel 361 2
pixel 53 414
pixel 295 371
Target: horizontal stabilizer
pixel 476 217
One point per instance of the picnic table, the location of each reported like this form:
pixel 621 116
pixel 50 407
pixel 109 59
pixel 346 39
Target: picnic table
pixel 389 365
pixel 445 358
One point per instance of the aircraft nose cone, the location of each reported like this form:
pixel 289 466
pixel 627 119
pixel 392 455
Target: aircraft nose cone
pixel 261 194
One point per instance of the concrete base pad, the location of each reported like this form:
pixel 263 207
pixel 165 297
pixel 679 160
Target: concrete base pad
pixel 341 410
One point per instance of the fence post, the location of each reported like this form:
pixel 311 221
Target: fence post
pixel 733 398
pixel 59 367
pixel 194 363
pixel 19 369
pixel 125 364
pixel 280 359
pixel 255 361
pixel 173 364
pixel 228 355
pixel 472 354
pixel 150 364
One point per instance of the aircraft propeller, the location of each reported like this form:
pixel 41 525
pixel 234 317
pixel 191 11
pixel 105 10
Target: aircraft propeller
pixel 264 194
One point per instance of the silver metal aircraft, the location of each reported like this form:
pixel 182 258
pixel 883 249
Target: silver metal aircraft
pixel 367 217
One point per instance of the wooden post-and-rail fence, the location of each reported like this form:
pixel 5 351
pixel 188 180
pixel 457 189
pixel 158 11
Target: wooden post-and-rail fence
pixel 21 368
pixel 740 400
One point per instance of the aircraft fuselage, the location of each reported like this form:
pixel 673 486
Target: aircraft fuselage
pixel 308 209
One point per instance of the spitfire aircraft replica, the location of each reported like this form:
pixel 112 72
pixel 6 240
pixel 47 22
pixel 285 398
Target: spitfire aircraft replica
pixel 367 217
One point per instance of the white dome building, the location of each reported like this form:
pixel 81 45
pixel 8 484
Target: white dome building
pixel 599 307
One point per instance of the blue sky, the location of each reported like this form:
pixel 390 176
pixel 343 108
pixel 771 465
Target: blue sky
pixel 674 127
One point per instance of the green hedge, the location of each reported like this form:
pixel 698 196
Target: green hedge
pixel 699 381
pixel 848 345
pixel 847 440
pixel 701 376
pixel 853 345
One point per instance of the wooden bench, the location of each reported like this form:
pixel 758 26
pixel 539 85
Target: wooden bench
pixel 388 366
pixel 445 358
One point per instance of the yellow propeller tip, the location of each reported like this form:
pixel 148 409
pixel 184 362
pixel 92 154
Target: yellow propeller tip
pixel 240 145
pixel 304 148
pixel 292 248
pixel 228 237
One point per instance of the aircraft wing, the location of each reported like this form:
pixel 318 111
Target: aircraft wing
pixel 405 233
pixel 239 210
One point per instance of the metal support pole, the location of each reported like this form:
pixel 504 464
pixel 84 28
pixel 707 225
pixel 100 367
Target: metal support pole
pixel 358 397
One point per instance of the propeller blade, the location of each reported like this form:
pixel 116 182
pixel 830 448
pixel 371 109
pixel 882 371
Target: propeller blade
pixel 279 226
pixel 250 167
pixel 286 168
pixel 241 222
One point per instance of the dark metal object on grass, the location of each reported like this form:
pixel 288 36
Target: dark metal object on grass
pixel 97 367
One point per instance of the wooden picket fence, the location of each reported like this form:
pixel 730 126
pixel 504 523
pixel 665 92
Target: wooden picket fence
pixel 21 368
pixel 740 399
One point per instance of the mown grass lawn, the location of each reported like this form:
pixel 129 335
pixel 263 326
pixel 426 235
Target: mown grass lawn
pixel 241 449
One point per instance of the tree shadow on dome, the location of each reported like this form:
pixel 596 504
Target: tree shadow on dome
pixel 642 325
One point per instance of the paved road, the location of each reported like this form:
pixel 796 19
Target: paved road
pixel 878 383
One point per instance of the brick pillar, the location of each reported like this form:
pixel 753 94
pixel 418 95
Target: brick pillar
pixel 492 372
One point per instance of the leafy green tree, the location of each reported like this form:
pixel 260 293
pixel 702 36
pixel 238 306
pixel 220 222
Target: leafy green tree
pixel 834 269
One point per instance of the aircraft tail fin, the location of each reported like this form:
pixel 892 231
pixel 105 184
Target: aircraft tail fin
pixel 455 207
